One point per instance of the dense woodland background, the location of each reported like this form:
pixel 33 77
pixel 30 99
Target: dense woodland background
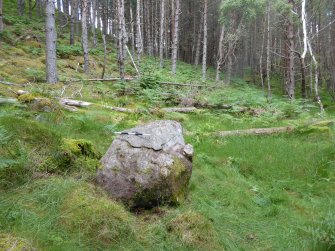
pixel 251 82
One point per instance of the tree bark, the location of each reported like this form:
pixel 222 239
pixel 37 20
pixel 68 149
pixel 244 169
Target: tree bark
pixel 74 13
pixel 1 17
pixel 197 52
pixel 175 42
pixel 161 35
pixel 21 4
pixel 138 31
pixel 121 38
pixel 93 23
pixel 268 60
pixel 220 55
pixel 291 66
pixel 85 35
pixel 51 38
pixel 204 55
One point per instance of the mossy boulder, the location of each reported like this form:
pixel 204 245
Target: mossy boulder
pixel 148 169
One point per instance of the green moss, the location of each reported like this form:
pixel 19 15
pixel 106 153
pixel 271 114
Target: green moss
pixel 194 230
pixel 78 147
pixel 9 242
pixel 178 181
pixel 27 98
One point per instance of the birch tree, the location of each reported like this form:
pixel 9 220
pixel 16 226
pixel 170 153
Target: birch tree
pixel 138 31
pixel 220 54
pixel 51 37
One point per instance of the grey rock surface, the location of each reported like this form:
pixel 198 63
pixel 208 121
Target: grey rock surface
pixel 148 170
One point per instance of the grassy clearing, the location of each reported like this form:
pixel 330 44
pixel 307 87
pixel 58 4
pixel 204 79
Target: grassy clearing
pixel 246 193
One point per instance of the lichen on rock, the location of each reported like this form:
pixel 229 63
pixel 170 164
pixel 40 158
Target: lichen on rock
pixel 148 170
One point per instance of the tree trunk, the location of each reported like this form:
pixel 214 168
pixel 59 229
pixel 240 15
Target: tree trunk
pixel 121 38
pixel 105 56
pixel 30 8
pixel 93 23
pixel 204 55
pixel 74 11
pixel 21 4
pixel 138 31
pixel 268 60
pixel 220 55
pixel 161 35
pixel 291 66
pixel 197 52
pixel 51 37
pixel 175 42
pixel 1 19
pixel 132 30
pixel 85 35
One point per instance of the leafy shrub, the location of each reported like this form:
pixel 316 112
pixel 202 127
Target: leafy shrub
pixel 65 51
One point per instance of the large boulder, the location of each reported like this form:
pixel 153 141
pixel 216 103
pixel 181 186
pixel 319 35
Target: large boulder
pixel 148 170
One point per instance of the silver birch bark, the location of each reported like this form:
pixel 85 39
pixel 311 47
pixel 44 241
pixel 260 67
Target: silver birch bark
pixel 175 38
pixel 161 35
pixel 204 55
pixel 84 39
pixel 138 31
pixel 51 37
pixel 1 19
pixel 220 55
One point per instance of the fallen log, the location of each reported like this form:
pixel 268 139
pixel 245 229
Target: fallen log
pixel 75 103
pixel 96 79
pixel 119 109
pixel 8 101
pixel 180 109
pixel 256 131
pixel 189 85
pixel 6 82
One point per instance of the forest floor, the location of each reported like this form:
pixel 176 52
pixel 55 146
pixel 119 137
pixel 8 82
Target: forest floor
pixel 246 193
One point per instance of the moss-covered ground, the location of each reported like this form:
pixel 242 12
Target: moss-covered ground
pixel 246 193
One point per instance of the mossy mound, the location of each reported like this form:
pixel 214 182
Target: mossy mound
pixel 194 230
pixel 96 218
pixel 12 243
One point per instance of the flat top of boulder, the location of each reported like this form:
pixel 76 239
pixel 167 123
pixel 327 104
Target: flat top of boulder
pixel 162 135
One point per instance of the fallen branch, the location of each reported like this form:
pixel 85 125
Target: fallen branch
pixel 119 109
pixel 307 126
pixel 75 103
pixel 8 100
pixel 96 79
pixel 180 109
pixel 256 131
pixel 189 85
pixel 6 83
